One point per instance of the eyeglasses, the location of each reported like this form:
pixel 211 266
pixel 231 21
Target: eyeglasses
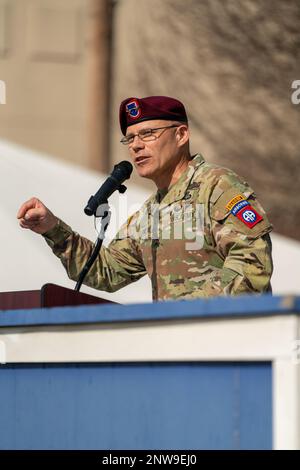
pixel 145 134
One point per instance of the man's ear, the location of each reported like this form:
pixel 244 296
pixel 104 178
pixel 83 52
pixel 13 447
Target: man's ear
pixel 182 135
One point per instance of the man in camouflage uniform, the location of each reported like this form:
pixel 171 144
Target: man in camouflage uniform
pixel 203 233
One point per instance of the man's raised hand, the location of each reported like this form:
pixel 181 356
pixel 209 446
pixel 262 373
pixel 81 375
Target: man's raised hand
pixel 34 215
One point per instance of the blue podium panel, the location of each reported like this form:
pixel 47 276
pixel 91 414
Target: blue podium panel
pixel 136 406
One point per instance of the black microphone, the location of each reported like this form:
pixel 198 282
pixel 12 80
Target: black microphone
pixel 120 173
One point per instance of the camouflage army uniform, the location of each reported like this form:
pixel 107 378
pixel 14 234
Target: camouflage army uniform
pixel 226 256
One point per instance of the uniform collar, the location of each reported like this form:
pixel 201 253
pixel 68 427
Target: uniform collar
pixel 177 191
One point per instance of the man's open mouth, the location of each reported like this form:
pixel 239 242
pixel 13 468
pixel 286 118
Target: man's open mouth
pixel 140 160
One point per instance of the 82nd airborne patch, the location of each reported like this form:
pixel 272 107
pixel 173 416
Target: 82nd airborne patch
pixel 241 208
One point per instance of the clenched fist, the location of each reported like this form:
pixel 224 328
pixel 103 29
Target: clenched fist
pixel 34 215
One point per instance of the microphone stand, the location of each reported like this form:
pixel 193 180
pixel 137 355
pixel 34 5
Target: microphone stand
pixel 105 219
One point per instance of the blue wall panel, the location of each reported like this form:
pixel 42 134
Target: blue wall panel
pixel 136 406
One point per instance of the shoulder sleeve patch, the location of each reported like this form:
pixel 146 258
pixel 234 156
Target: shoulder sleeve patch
pixel 241 210
pixel 248 216
pixel 234 201
pixel 228 200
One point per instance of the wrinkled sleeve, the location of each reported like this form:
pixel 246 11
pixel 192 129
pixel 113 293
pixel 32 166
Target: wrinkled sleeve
pixel 116 266
pixel 246 249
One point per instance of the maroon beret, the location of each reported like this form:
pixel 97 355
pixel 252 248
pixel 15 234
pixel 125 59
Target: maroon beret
pixel 134 110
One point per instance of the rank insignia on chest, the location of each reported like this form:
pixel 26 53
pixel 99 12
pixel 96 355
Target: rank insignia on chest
pixel 187 196
pixel 195 185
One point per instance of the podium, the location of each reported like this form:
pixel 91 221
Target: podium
pixel 50 295
pixel 220 373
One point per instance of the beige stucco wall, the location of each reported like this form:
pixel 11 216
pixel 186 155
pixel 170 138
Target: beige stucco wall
pixel 232 63
pixel 43 61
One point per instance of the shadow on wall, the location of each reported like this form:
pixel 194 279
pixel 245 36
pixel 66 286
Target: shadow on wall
pixel 233 65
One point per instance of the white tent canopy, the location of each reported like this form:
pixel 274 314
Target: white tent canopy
pixel 27 262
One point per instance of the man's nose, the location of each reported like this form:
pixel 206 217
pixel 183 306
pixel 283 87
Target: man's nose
pixel 137 143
